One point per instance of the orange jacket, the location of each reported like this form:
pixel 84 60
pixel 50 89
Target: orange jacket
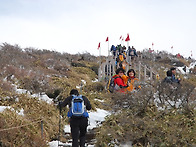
pixel 130 82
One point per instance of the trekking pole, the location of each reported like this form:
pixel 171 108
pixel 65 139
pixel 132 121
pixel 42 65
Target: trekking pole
pixel 59 123
pixel 81 87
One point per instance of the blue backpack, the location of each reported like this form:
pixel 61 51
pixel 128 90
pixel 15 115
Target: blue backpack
pixel 77 108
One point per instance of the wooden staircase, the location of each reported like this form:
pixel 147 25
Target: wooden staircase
pixel 143 73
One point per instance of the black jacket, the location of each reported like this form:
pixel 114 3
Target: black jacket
pixel 68 100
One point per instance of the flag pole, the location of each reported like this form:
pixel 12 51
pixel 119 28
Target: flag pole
pixel 172 50
pixel 99 71
pixel 108 49
pixel 127 44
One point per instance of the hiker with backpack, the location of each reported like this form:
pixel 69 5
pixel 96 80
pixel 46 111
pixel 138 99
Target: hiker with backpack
pixel 168 83
pixel 118 82
pixel 168 78
pixel 132 81
pixel 113 50
pixel 78 106
pixel 121 60
pixel 174 79
pixel 131 54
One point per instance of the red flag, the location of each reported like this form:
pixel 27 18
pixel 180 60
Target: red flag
pixel 120 37
pixel 107 39
pixel 152 44
pixel 98 45
pixel 127 39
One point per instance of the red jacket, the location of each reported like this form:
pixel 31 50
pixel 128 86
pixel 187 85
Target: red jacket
pixel 118 81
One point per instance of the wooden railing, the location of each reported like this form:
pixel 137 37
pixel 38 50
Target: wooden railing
pixel 108 68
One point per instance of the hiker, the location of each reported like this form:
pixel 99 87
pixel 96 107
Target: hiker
pixel 169 83
pixel 121 60
pixel 120 86
pixel 132 54
pixel 78 124
pixel 132 81
pixel 113 50
pixel 119 48
pixel 174 79
pixel 168 78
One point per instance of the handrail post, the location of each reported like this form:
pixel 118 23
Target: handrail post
pixel 110 73
pixel 103 71
pixel 42 129
pixel 139 70
pixel 99 74
pixel 150 73
pixel 145 73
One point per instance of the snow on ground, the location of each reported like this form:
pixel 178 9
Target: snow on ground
pixel 43 97
pixel 97 117
pixel 191 66
pixel 95 80
pixel 2 108
pixel 56 143
pixel 19 112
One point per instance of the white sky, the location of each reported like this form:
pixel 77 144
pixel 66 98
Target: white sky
pixel 79 25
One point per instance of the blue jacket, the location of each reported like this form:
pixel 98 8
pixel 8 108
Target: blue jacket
pixel 113 48
pixel 130 50
pixel 174 79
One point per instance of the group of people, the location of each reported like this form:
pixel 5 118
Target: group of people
pixel 120 54
pixel 122 83
pixel 125 83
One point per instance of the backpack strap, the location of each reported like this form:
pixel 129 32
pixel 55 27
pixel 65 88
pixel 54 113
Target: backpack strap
pixel 76 96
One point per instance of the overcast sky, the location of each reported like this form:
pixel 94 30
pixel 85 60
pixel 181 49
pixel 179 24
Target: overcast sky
pixel 77 26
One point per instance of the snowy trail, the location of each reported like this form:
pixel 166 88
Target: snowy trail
pixel 95 119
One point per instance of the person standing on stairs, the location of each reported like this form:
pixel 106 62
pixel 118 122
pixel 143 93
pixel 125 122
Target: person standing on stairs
pixel 132 54
pixel 78 124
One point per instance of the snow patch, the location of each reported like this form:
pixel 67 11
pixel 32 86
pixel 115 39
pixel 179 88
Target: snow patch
pixel 2 108
pixel 19 112
pixel 56 143
pixel 43 97
pixel 96 80
pixel 97 117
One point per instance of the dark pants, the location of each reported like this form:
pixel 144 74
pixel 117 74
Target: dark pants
pixel 78 130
